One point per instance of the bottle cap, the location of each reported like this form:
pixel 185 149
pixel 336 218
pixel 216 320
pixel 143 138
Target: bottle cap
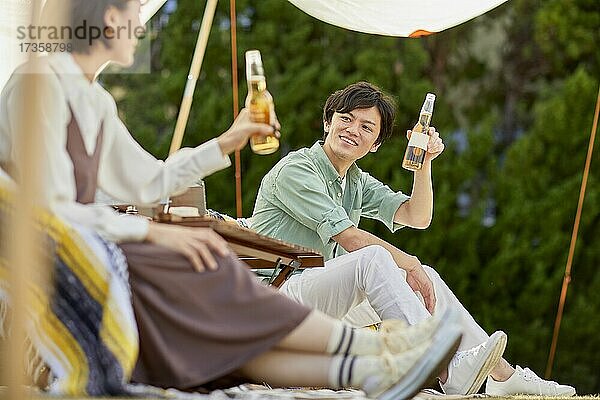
pixel 254 65
pixel 428 103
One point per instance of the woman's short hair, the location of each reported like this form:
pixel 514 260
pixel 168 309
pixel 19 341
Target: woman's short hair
pixel 80 23
pixel 362 95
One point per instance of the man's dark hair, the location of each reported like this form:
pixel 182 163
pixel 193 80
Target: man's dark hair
pixel 362 95
pixel 88 13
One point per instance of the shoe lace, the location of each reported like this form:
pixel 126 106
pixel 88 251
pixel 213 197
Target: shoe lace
pixel 473 352
pixel 531 376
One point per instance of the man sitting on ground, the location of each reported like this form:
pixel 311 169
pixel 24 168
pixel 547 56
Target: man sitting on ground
pixel 316 196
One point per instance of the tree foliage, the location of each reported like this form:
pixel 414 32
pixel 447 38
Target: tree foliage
pixel 516 91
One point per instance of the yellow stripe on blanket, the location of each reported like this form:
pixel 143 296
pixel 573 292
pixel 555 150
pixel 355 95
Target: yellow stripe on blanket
pixel 53 340
pixel 123 343
pixel 80 259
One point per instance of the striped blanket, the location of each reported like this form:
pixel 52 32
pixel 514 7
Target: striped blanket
pixel 82 326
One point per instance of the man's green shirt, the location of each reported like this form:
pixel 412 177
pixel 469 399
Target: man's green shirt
pixel 301 201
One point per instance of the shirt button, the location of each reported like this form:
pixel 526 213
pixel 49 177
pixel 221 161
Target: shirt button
pixel 339 195
pixel 330 183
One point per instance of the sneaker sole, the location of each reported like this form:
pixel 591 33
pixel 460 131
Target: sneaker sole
pixel 425 372
pixel 500 393
pixel 494 355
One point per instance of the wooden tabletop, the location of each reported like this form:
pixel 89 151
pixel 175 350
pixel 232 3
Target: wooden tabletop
pixel 254 248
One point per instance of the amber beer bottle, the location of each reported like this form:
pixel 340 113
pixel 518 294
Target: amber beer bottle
pixel 417 145
pixel 259 102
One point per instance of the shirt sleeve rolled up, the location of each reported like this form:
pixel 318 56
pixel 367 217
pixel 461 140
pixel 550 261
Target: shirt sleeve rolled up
pixel 333 222
pixel 381 203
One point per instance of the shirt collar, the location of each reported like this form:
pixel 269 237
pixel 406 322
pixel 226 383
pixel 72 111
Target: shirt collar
pixel 325 166
pixel 64 65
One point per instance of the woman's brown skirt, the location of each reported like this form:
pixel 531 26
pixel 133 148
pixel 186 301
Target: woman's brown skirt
pixel 197 327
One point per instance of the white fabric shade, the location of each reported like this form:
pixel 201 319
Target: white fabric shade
pixel 396 17
pixel 150 7
pixel 383 17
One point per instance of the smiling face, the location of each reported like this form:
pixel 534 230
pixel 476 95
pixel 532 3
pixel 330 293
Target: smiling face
pixel 352 135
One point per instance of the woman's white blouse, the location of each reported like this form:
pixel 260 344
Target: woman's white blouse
pixel 127 172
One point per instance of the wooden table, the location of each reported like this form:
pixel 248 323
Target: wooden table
pixel 256 250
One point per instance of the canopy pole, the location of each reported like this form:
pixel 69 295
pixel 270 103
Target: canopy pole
pixel 567 277
pixel 236 102
pixel 23 244
pixel 188 93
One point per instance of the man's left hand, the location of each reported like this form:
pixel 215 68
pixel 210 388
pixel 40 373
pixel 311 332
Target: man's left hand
pixel 435 145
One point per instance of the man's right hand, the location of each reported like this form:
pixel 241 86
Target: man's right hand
pixel 419 281
pixel 355 238
pixel 194 243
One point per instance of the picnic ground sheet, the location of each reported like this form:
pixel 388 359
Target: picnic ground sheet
pixel 256 392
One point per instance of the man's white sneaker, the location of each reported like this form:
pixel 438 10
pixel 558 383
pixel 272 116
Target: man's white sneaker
pixel 525 381
pixel 469 368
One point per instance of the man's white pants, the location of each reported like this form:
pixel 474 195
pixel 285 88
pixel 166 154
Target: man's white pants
pixel 365 285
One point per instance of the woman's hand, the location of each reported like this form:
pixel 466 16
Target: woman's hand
pixel 236 137
pixel 194 243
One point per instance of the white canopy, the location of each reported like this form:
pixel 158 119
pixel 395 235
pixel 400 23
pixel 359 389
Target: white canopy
pixel 396 17
pixel 383 17
pixel 149 8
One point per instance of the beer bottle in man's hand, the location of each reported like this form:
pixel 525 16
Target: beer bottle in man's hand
pixel 259 103
pixel 417 144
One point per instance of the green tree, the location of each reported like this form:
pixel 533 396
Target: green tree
pixel 538 188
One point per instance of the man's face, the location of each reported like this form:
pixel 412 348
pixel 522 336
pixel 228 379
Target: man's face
pixel 352 135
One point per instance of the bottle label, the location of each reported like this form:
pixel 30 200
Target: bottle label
pixel 259 114
pixel 419 140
